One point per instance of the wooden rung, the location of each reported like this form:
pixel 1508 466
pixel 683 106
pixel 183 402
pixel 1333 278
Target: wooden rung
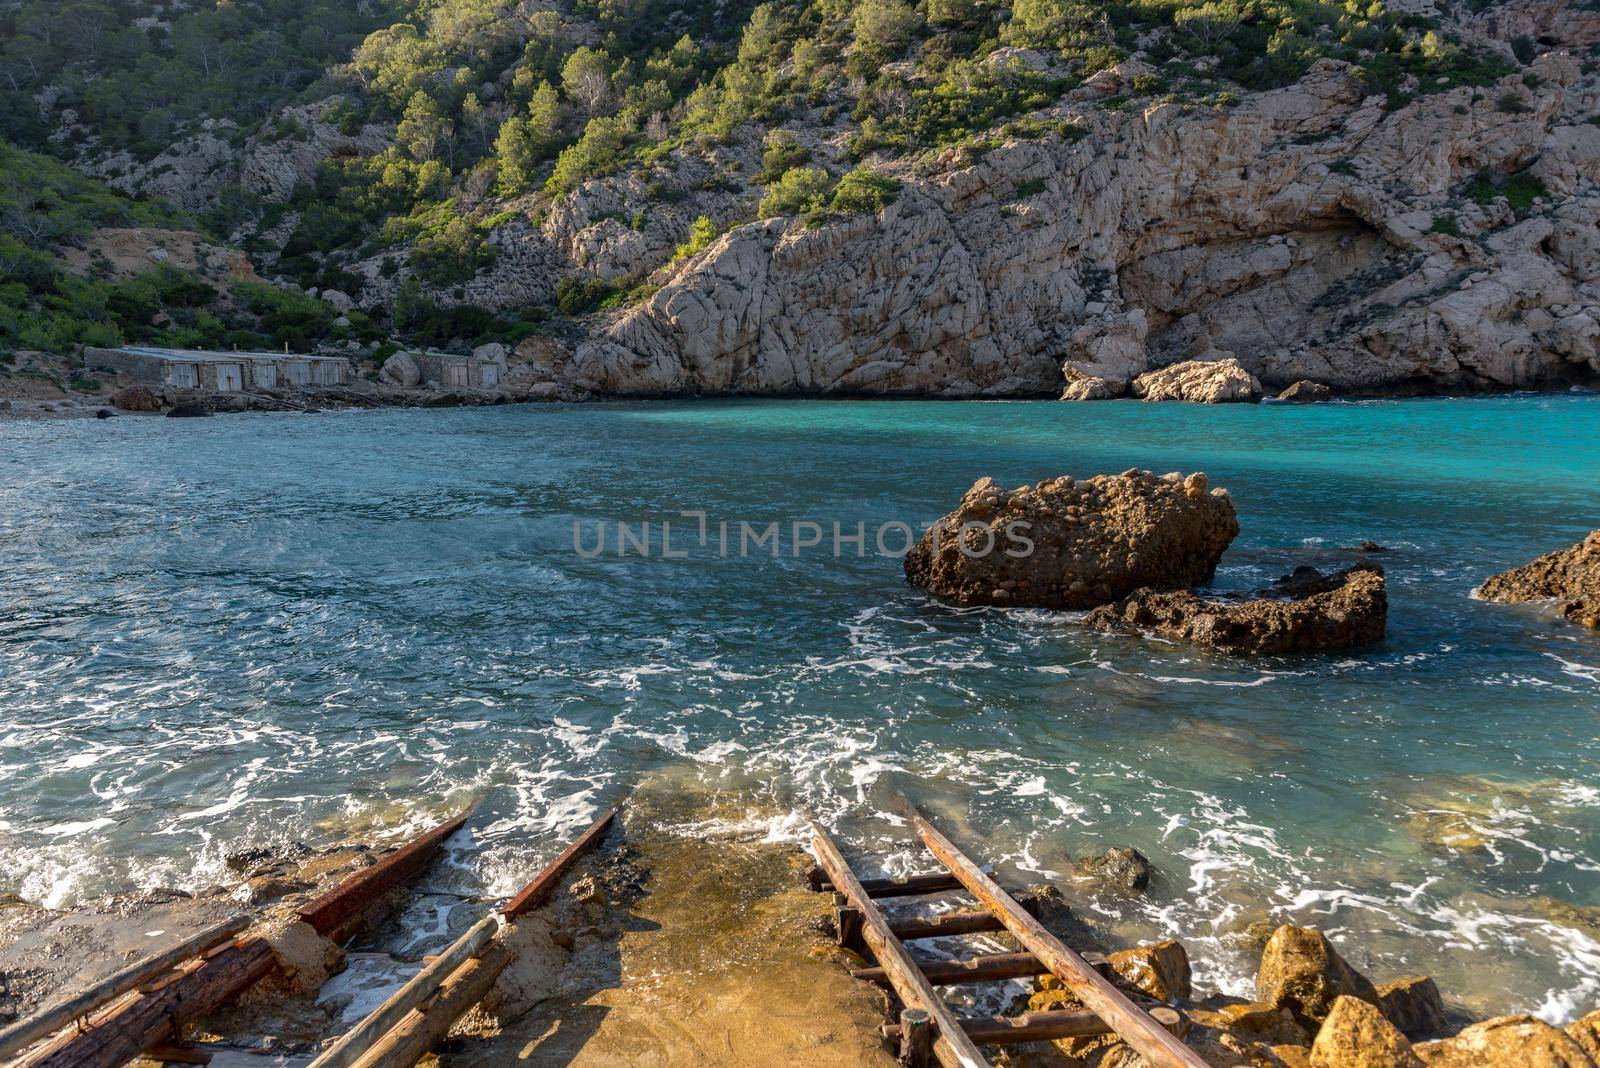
pixel 965 921
pixel 1046 1026
pixel 935 883
pixel 989 968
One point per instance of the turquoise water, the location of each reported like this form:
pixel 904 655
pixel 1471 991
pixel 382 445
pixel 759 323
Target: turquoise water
pixel 250 629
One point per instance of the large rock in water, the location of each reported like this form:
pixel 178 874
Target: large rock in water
pixel 1506 1042
pixel 1302 972
pixel 1068 544
pixel 1199 382
pixel 1413 1005
pixel 1571 577
pixel 1303 612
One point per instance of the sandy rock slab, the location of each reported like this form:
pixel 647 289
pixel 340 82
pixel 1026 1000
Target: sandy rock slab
pixel 1303 612
pixel 1200 382
pixel 1570 577
pixel 1070 544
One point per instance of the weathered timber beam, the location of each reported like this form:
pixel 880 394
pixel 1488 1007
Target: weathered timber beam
pixel 425 1027
pixel 47 1022
pixel 344 904
pixel 990 968
pixel 960 922
pixel 1135 1026
pixel 951 1046
pixel 910 886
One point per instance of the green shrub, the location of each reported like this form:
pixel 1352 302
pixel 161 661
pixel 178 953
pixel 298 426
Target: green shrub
pixel 1512 104
pixel 863 191
pixel 701 234
pixel 799 191
pixel 577 296
pixel 1445 224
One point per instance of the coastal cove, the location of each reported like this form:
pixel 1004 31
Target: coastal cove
pixel 224 633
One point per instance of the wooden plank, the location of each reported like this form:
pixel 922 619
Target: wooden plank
pixel 1029 1027
pixel 47 1022
pixel 951 1046
pixel 355 1044
pixel 1135 1026
pixel 538 892
pixel 960 922
pixel 910 886
pixel 125 1030
pixel 427 1026
pixel 159 1014
pixel 990 968
pixel 418 989
pixel 345 903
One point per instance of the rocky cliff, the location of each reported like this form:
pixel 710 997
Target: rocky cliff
pixel 1308 232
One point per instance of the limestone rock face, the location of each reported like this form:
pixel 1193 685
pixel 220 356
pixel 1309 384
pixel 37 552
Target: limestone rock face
pixel 1069 544
pixel 1301 971
pixel 1355 1035
pixel 1090 387
pixel 1413 1005
pixel 1338 611
pixel 1570 576
pixel 1296 231
pixel 1506 1042
pixel 401 370
pixel 1199 382
pixel 136 399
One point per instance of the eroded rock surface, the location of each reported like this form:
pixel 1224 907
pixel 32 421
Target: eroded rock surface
pixel 1200 382
pixel 1070 544
pixel 1570 577
pixel 1356 1035
pixel 1300 613
pixel 1506 1042
pixel 1302 972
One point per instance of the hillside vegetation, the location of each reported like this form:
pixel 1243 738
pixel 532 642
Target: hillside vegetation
pixel 496 110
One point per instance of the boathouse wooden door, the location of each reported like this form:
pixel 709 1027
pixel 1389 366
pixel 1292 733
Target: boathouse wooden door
pixel 230 378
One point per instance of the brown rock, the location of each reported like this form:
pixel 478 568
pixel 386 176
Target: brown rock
pixel 1413 1005
pixel 1067 544
pixel 1571 577
pixel 1160 969
pixel 1093 387
pixel 1338 611
pixel 1506 1042
pixel 136 399
pixel 1586 1033
pixel 1355 1035
pixel 1301 971
pixel 1118 869
pixel 1306 391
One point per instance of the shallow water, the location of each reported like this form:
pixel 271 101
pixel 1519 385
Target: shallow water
pixel 245 630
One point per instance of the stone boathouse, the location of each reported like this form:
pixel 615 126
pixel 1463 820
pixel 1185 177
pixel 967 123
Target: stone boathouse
pixel 221 372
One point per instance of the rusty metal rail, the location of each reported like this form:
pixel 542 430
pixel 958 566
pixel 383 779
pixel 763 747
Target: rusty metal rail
pixel 928 1030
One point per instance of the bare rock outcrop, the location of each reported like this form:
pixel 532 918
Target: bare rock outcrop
pixel 136 399
pixel 1306 392
pixel 1302 972
pixel 1070 544
pixel 1221 381
pixel 1570 577
pixel 1413 1005
pixel 401 370
pixel 1303 612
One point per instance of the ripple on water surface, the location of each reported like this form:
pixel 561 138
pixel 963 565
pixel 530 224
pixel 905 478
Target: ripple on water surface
pixel 249 630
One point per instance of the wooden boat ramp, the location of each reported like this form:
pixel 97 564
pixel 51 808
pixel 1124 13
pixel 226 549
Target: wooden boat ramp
pixel 929 1031
pixel 144 1009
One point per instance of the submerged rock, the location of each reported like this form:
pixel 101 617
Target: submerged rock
pixel 188 411
pixel 1118 869
pixel 1199 382
pixel 1069 544
pixel 1303 612
pixel 1506 1042
pixel 1571 577
pixel 1355 1035
pixel 1302 972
